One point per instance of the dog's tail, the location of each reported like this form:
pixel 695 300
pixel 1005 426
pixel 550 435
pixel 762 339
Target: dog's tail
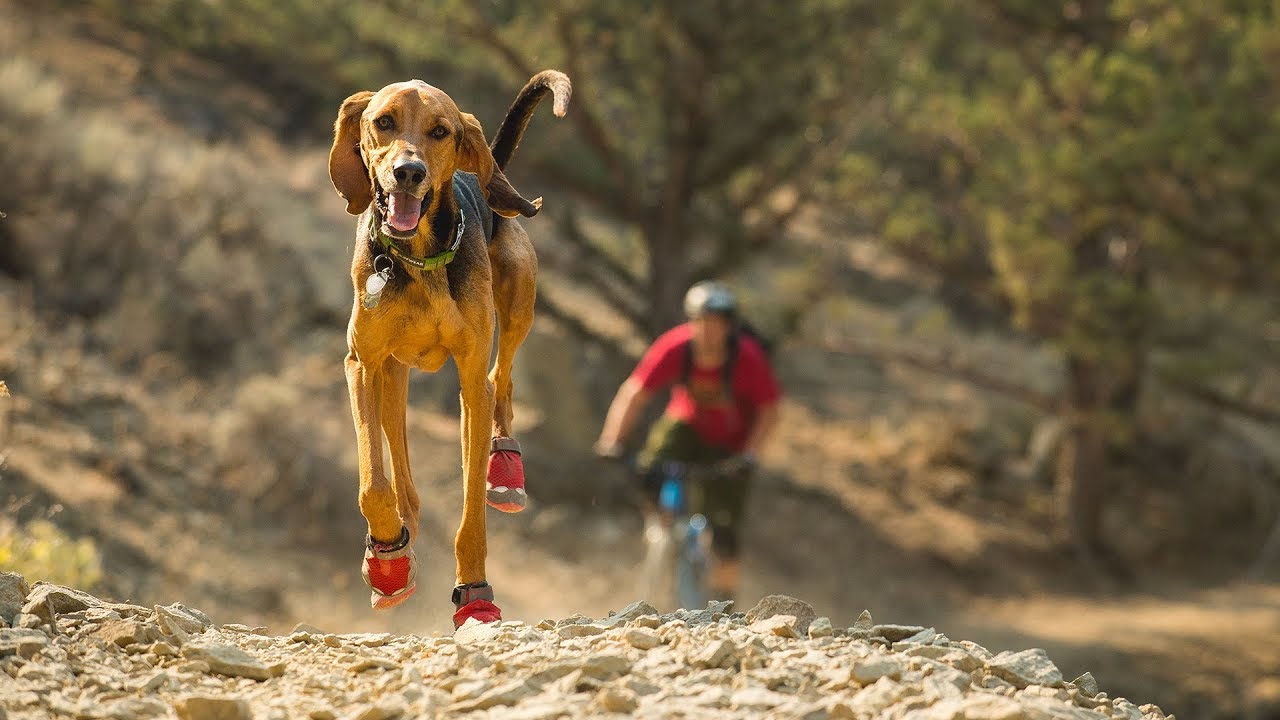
pixel 517 119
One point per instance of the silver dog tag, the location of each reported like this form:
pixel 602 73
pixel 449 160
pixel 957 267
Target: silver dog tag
pixel 374 284
pixel 373 288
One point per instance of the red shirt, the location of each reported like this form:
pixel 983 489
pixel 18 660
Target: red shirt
pixel 721 419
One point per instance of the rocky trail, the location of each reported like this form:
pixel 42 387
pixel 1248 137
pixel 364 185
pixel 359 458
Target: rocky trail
pixel 67 654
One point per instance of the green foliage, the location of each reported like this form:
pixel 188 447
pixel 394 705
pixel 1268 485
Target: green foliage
pixel 39 550
pixel 1063 158
pixel 688 118
pixel 702 121
pixel 1062 161
pixel 308 53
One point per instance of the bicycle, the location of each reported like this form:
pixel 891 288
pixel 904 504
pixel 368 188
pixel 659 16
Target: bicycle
pixel 677 556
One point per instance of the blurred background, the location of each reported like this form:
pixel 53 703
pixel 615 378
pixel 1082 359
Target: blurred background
pixel 1020 259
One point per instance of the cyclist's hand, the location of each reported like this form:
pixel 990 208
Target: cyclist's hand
pixel 609 450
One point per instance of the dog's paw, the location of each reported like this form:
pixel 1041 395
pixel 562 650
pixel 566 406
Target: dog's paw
pixel 390 570
pixel 482 611
pixel 506 481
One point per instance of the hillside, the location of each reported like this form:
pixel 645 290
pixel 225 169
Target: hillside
pixel 173 348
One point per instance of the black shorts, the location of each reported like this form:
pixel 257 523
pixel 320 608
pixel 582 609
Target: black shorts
pixel 722 500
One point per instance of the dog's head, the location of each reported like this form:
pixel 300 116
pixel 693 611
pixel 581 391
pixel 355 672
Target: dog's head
pixel 399 148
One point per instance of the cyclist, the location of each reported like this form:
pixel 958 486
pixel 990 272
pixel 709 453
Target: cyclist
pixel 723 407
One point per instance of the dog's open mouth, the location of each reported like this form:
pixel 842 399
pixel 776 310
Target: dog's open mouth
pixel 401 212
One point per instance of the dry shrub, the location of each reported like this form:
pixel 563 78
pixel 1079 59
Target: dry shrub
pixel 165 243
pixel 277 453
pixel 38 550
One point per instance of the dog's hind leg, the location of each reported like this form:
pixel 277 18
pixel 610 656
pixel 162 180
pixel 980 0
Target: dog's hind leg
pixel 515 273
pixel 515 277
pixel 395 399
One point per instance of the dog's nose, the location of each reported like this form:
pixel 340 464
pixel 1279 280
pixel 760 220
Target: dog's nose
pixel 410 171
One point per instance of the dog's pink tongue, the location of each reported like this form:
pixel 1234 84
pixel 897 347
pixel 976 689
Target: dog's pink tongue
pixel 405 210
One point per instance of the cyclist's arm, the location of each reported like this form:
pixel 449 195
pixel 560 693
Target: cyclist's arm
pixel 766 420
pixel 623 413
pixel 763 392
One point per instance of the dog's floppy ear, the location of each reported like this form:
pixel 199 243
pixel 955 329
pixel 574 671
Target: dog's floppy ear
pixel 346 166
pixel 476 158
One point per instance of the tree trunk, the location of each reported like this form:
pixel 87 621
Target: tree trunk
pixel 667 276
pixel 1083 477
pixel 1105 370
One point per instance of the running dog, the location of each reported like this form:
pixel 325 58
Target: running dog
pixel 438 254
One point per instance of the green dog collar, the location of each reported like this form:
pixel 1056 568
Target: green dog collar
pixel 438 260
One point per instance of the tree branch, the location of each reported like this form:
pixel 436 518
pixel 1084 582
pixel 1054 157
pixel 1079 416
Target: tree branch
pixel 575 327
pixel 484 31
pixel 585 267
pixel 588 122
pixel 596 194
pixel 723 162
pixel 1220 401
pixel 799 169
pixel 582 113
pixel 945 365
pixel 574 235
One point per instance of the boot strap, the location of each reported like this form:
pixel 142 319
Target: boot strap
pixel 504 443
pixel 464 594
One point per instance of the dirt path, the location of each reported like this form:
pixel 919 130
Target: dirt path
pixel 1201 653
pixel 76 655
pixel 1196 653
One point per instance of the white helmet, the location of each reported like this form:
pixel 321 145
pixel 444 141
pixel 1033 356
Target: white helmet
pixel 710 296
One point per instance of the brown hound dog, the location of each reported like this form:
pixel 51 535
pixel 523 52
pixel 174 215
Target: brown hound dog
pixel 437 252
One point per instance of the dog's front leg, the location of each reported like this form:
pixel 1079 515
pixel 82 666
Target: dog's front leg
pixel 394 381
pixel 377 495
pixel 473 597
pixel 389 565
pixel 471 545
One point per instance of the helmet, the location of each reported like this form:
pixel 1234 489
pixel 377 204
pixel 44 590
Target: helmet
pixel 710 296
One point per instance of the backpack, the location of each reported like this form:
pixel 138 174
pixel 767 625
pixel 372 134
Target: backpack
pixel 741 329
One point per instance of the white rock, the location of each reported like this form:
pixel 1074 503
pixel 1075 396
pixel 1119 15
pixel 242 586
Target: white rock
pixel 226 660
pixel 881 695
pixel 924 637
pixel 616 699
pixel 821 627
pixel 786 626
pixel 13 595
pixel 772 605
pixel 641 638
pixel 508 693
pixel 23 642
pixel 212 708
pixel 719 654
pixel 872 669
pixel 1028 667
pixel 580 630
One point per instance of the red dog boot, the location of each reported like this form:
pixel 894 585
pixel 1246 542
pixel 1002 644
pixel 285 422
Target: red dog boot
pixel 506 476
pixel 390 570
pixel 474 601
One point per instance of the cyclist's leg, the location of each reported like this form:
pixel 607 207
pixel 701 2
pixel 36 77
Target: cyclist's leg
pixel 721 502
pixel 669 440
pixel 726 502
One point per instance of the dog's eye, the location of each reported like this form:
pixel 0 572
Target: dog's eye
pixel 385 122
pixel 439 132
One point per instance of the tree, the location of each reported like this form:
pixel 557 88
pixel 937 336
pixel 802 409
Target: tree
pixel 701 128
pixel 1085 168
